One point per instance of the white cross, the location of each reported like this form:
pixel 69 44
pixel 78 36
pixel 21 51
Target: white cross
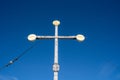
pixel 56 23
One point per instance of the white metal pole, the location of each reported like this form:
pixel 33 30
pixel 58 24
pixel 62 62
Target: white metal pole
pixel 56 45
pixel 55 75
pixel 56 54
pixel 56 65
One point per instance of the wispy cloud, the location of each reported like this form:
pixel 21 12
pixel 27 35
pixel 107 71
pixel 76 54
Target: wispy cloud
pixel 107 70
pixel 118 76
pixel 8 77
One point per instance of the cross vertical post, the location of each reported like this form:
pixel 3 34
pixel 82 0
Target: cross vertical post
pixel 56 65
pixel 56 23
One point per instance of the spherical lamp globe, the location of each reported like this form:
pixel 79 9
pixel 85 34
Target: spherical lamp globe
pixel 80 37
pixel 32 37
pixel 56 22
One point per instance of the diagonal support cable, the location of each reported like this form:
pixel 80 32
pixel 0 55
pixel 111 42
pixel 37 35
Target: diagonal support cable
pixel 18 57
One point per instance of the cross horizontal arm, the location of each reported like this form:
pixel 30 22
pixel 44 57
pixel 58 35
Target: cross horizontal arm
pixel 52 37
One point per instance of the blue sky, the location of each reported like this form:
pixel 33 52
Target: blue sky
pixel 97 58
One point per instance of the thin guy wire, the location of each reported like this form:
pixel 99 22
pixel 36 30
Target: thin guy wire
pixel 18 57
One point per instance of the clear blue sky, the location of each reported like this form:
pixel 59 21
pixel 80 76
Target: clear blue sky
pixel 97 58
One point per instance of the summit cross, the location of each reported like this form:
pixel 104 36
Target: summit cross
pixel 56 23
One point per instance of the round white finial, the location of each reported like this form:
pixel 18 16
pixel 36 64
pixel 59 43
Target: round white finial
pixel 32 37
pixel 56 23
pixel 80 37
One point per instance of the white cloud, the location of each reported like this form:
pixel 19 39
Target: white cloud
pixel 7 78
pixel 107 70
